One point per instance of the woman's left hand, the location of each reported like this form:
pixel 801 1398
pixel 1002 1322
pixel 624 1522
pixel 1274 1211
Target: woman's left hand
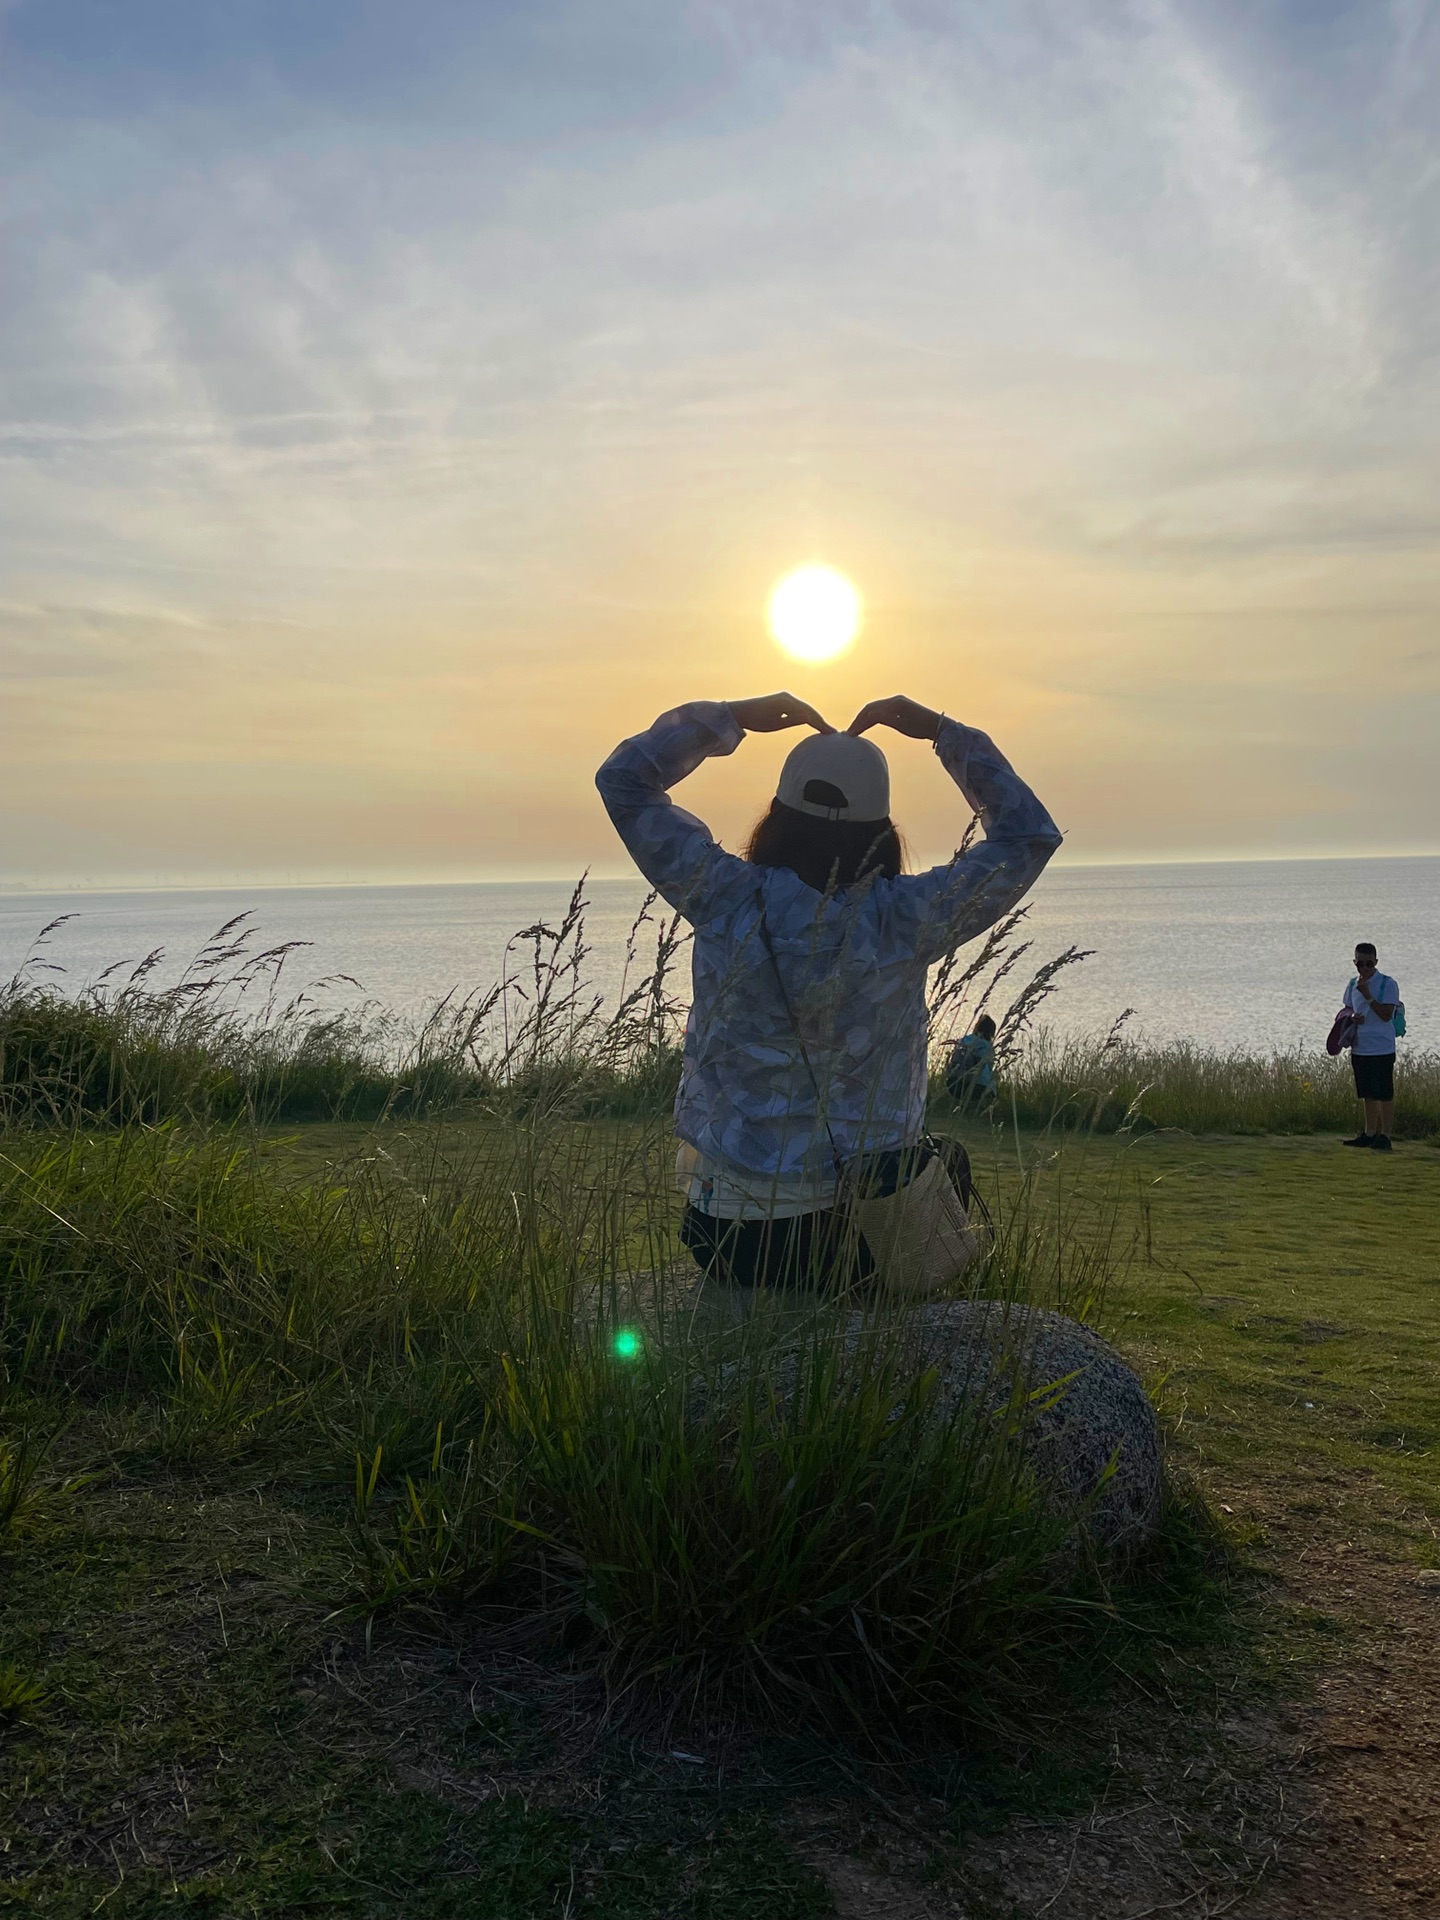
pixel 902 713
pixel 773 712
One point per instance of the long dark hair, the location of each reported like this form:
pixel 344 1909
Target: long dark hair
pixel 826 854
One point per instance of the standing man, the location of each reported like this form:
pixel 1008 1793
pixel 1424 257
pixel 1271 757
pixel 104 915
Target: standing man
pixel 1372 997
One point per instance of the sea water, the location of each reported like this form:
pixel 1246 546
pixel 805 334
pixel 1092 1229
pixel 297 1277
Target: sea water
pixel 1241 954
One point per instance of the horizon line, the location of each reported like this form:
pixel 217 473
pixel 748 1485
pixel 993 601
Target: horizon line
pixel 20 890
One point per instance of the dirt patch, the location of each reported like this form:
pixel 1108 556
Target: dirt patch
pixel 1191 1838
pixel 1371 1745
pixel 1322 1808
pixel 862 1892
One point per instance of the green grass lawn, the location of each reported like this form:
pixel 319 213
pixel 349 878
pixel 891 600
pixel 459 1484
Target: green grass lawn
pixel 1293 1301
pixel 218 1738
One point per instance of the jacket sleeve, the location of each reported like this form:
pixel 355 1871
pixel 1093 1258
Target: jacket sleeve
pixel 676 852
pixel 943 908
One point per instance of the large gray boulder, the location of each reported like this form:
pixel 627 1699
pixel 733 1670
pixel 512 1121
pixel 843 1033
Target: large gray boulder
pixel 1090 1434
pixel 1078 1410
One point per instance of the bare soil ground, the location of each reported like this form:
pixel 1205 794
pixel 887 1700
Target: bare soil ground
pixel 1369 1739
pixel 1324 1806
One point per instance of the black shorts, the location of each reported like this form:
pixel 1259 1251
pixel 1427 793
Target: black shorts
pixel 1374 1075
pixel 816 1252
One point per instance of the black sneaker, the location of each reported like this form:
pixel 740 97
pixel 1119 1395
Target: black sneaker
pixel 1381 1143
pixel 1361 1140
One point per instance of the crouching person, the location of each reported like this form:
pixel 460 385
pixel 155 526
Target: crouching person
pixel 970 1070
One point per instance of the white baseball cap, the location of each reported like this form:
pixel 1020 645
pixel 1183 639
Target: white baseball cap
pixel 836 776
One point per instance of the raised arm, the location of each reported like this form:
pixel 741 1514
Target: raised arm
pixel 952 904
pixel 676 852
pixel 1383 1009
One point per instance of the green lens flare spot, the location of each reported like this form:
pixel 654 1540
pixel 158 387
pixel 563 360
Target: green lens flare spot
pixel 628 1344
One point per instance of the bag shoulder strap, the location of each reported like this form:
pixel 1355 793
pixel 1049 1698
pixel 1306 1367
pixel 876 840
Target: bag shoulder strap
pixel 769 945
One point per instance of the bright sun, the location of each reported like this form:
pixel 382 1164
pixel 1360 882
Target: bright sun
pixel 814 613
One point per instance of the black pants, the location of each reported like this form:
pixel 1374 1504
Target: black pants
pixel 819 1252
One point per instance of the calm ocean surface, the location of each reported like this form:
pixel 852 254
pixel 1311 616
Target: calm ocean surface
pixel 1245 954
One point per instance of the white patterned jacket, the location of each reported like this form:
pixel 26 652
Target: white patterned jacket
pixel 854 962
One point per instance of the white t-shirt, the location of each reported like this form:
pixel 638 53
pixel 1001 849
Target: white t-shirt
pixel 1373 1035
pixel 727 1192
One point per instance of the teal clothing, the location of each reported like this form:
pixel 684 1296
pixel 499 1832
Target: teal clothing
pixel 970 1073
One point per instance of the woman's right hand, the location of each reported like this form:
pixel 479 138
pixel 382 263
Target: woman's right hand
pixel 773 712
pixel 905 715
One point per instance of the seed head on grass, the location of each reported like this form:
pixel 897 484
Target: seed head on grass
pixel 472 1340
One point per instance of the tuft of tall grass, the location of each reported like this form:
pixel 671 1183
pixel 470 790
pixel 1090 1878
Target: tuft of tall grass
pixel 224 1043
pixel 424 1334
pixel 1106 1085
pixel 21 1493
pixel 829 1549
pixel 20 1694
pixel 453 1531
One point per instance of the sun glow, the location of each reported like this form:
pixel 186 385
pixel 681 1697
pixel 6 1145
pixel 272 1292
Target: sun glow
pixel 814 613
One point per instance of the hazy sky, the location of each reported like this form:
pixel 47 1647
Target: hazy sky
pixel 401 402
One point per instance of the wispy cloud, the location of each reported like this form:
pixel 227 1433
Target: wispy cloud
pixel 472 372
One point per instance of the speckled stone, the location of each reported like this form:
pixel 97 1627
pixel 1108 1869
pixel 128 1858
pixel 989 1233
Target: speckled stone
pixel 1098 1412
pixel 1092 1440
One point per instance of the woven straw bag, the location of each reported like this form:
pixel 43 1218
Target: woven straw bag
pixel 920 1236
